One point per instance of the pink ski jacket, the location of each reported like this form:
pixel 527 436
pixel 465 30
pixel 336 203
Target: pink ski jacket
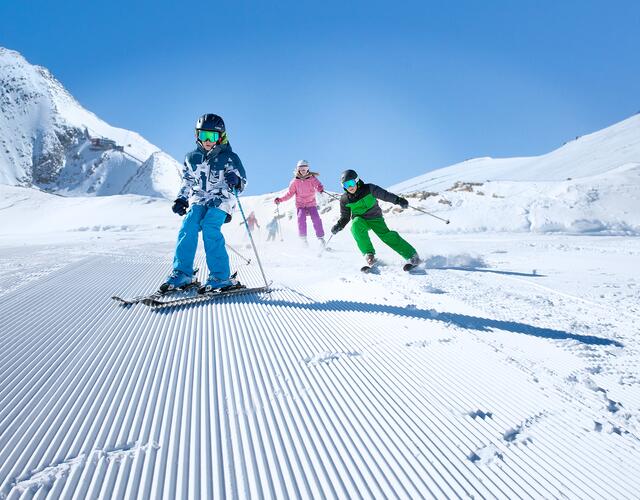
pixel 305 190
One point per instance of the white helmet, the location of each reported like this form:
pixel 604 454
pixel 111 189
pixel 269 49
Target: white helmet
pixel 302 163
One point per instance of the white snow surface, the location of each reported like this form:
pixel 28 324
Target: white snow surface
pixel 45 139
pixel 506 367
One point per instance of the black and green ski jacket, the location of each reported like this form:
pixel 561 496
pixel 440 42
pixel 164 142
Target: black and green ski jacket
pixel 363 203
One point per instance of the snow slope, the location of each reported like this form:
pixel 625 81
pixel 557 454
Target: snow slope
pixel 590 185
pixel 45 139
pixel 607 203
pixel 156 177
pixel 508 367
pixel 586 156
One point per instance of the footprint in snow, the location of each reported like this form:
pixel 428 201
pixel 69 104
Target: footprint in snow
pixel 328 357
pixel 609 428
pixel 516 435
pixel 419 343
pixel 485 455
pixel 480 414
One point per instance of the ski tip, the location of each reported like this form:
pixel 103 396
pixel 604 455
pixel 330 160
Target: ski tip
pixel 370 269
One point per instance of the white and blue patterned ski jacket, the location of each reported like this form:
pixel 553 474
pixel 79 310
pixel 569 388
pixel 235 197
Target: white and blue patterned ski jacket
pixel 203 177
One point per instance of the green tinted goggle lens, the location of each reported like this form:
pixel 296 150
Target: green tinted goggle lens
pixel 208 135
pixel 348 184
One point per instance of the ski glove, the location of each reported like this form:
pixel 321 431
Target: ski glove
pixel 180 206
pixel 402 202
pixel 277 201
pixel 336 229
pixel 233 180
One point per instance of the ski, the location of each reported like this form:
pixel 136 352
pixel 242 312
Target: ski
pixel 409 268
pixel 370 269
pixel 155 295
pixel 413 269
pixel 159 302
pixel 158 294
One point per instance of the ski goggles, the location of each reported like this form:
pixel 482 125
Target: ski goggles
pixel 350 183
pixel 208 135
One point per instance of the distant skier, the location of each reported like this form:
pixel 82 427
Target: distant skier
pixel 304 186
pixel 359 205
pixel 252 221
pixel 211 172
pixel 272 229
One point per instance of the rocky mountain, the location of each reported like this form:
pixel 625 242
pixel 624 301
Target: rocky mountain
pixel 49 141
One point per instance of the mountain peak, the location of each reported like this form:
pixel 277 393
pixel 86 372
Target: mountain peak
pixel 48 140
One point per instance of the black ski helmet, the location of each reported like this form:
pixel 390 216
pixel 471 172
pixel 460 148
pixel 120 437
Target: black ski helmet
pixel 348 175
pixel 211 122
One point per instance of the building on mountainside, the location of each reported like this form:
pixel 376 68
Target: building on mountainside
pixel 102 144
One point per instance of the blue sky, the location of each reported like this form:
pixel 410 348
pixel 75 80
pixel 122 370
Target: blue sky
pixel 391 89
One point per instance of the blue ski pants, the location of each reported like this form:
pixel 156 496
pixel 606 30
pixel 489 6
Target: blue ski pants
pixel 209 220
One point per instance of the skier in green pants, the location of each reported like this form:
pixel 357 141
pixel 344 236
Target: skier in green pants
pixel 359 204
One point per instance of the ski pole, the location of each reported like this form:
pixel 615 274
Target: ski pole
pixel 278 221
pixel 425 212
pixel 331 195
pixel 246 225
pixel 325 245
pixel 248 261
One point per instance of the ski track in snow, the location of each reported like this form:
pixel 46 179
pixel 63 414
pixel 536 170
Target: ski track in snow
pixel 307 392
pixel 46 477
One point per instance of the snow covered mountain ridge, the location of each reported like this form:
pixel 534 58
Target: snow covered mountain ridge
pixel 590 185
pixel 593 154
pixel 49 141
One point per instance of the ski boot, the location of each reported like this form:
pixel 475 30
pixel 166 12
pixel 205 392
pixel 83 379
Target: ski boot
pixel 176 280
pixel 370 267
pixel 214 284
pixel 369 259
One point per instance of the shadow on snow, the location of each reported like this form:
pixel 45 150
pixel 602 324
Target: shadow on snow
pixel 478 270
pixel 465 262
pixel 461 320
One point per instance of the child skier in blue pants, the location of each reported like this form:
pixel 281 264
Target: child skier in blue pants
pixel 210 175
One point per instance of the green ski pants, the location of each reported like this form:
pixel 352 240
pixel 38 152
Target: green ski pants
pixel 360 229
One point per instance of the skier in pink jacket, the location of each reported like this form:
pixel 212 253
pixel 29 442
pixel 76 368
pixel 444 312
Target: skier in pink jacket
pixel 304 186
